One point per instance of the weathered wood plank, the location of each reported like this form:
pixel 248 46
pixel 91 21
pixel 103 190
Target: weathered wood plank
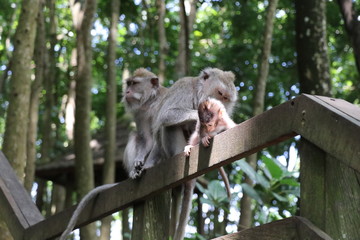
pixel 312 176
pixel 331 124
pixel 262 131
pixel 295 228
pixel 342 200
pixel 16 205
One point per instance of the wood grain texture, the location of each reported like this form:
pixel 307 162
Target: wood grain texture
pixel 17 207
pixel 295 228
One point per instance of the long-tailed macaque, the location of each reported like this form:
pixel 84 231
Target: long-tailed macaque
pixel 213 119
pixel 141 97
pixel 177 117
pixel 141 94
pixel 177 112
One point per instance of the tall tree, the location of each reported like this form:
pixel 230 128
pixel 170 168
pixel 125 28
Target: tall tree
pixel 39 58
pixel 311 45
pixel 15 137
pixel 110 121
pixel 182 61
pixel 162 39
pixel 258 107
pixel 46 118
pixel 352 26
pixel 83 16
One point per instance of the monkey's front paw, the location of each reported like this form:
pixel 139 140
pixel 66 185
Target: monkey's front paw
pixel 138 170
pixel 206 141
pixel 187 150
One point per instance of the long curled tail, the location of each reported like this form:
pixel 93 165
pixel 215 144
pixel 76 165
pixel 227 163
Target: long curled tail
pixel 83 203
pixel 226 181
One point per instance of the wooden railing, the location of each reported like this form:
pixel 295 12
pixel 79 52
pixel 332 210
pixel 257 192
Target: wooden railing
pixel 330 191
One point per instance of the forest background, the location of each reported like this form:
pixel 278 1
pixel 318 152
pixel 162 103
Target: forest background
pixel 56 55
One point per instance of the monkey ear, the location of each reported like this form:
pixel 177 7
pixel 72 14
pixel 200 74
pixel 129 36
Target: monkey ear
pixel 204 75
pixel 155 82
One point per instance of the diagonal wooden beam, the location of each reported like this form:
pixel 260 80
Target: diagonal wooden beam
pixel 17 207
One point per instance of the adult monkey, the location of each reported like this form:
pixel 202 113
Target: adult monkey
pixel 141 98
pixel 176 119
pixel 142 93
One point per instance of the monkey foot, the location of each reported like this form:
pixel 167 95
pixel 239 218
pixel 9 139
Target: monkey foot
pixel 138 170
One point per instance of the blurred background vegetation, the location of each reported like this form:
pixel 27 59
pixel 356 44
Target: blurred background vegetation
pixel 225 34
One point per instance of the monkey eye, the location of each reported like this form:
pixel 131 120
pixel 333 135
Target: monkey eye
pixel 225 98
pixel 220 93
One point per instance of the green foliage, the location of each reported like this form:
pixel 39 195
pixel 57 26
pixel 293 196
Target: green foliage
pixel 215 194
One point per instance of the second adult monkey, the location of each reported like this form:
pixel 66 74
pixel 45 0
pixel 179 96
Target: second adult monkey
pixel 141 94
pixel 141 97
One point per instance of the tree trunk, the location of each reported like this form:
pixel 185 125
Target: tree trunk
pixel 110 122
pixel 311 45
pixel 84 172
pixel 15 136
pixel 162 40
pixel 259 98
pixel 352 26
pixel 182 61
pixel 39 58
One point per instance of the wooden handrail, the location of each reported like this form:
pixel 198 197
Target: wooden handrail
pixel 331 124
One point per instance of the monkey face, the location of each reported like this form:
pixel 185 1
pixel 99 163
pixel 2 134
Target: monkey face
pixel 219 85
pixel 133 92
pixel 210 126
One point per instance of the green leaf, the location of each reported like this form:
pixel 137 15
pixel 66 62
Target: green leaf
pixel 253 175
pixel 275 170
pixel 251 192
pixel 290 182
pixel 279 197
pixel 216 189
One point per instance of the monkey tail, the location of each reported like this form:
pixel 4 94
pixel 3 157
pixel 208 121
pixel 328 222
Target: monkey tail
pixel 86 199
pixel 226 181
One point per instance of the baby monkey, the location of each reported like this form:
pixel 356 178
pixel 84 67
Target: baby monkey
pixel 213 119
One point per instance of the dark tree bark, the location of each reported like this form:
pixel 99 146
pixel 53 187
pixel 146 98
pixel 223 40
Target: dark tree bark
pixel 311 45
pixel 246 217
pixel 352 26
pixel 182 61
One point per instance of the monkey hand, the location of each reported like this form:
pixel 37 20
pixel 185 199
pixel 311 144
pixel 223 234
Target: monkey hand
pixel 206 141
pixel 138 170
pixel 187 150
